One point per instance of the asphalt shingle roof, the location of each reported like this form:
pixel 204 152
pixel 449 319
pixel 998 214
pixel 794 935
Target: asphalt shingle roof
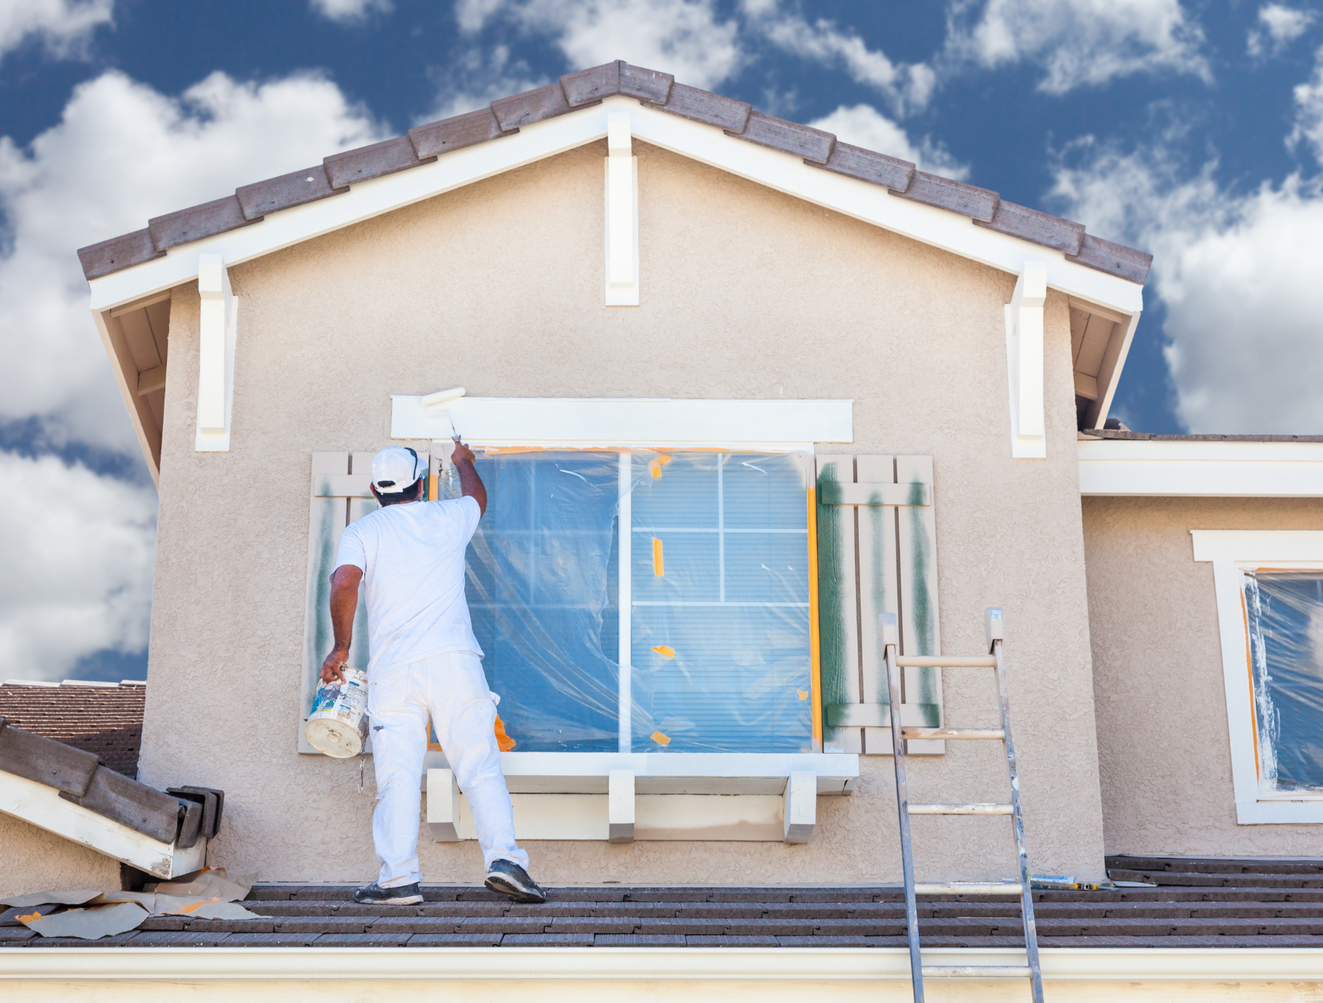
pixel 102 718
pixel 1206 902
pixel 654 89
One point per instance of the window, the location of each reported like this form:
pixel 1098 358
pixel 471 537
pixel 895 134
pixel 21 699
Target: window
pixel 1284 617
pixel 645 601
pixel 1269 587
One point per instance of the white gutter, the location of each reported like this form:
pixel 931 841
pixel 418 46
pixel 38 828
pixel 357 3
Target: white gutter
pixel 1200 468
pixel 159 971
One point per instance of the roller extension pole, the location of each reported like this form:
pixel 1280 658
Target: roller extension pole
pixel 890 640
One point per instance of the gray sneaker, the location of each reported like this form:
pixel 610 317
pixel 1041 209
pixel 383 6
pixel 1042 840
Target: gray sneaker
pixel 508 878
pixel 374 894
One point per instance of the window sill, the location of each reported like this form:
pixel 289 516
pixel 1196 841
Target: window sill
pixel 671 772
pixel 1304 811
pixel 623 797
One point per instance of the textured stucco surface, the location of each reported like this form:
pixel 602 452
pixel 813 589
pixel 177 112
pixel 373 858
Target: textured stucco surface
pixel 1163 746
pixel 746 293
pixel 33 860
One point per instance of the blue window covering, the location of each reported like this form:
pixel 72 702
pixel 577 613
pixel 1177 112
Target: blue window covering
pixel 720 609
pixel 1285 614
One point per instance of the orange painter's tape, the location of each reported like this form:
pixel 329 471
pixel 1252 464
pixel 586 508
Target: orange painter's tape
pixel 665 649
pixel 803 694
pixel 658 565
pixel 661 739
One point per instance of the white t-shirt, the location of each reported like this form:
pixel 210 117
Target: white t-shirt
pixel 412 556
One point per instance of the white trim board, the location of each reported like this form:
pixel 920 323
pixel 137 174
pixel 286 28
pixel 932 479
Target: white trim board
pixel 871 203
pixel 1200 469
pixel 578 422
pixel 592 973
pixel 43 807
pixel 1230 551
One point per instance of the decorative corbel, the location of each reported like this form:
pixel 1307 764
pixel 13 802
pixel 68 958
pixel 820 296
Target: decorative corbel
pixel 215 355
pixel 622 214
pixel 1024 362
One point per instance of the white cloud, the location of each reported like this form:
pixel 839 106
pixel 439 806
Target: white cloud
pixel 1278 27
pixel 64 26
pixel 350 12
pixel 1309 111
pixel 78 553
pixel 1238 275
pixel 863 125
pixel 475 81
pixel 683 37
pixel 1078 42
pixel 121 153
pixel 906 86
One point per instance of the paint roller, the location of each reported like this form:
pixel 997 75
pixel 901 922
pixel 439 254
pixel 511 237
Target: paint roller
pixel 440 402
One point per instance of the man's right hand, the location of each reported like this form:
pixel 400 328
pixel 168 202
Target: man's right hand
pixel 462 454
pixel 333 665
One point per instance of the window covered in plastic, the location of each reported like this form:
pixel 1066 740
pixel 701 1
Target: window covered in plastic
pixel 1284 611
pixel 715 649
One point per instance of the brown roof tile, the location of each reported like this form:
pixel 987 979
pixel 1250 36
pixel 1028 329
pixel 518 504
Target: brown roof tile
pixel 935 190
pixel 197 222
pixel 813 145
pixel 530 106
pixel 1050 231
pixel 1116 259
pixel 375 161
pixel 856 162
pixel 102 719
pixel 475 127
pixel 295 188
pixel 581 89
pixel 1116 433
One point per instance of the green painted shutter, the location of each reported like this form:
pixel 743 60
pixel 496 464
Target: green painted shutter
pixel 876 558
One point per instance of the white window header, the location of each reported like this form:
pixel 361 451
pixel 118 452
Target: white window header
pixel 770 425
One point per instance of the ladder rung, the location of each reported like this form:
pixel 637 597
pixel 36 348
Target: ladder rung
pixel 976 971
pixel 961 809
pixel 968 888
pixel 947 661
pixel 969 734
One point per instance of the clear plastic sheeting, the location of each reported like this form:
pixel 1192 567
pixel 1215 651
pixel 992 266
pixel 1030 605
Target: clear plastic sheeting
pixel 1285 618
pixel 716 552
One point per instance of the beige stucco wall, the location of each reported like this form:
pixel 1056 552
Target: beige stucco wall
pixel 33 859
pixel 1158 683
pixel 746 293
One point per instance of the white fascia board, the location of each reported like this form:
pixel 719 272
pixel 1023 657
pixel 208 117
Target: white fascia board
pixel 1258 546
pixel 556 973
pixel 615 421
pixel 704 143
pixel 1148 467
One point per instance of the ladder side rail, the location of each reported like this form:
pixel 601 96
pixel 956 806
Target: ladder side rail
pixel 1017 816
pixel 890 637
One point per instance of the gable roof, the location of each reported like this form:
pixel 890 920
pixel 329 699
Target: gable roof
pixel 424 144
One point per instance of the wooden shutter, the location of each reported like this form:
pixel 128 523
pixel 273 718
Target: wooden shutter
pixel 338 497
pixel 877 553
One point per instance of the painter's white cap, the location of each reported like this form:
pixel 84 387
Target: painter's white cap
pixel 395 469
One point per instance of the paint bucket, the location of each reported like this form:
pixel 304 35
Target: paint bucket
pixel 337 725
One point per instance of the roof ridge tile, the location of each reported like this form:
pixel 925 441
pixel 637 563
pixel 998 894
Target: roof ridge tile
pixel 706 107
pixel 536 105
pixel 286 191
pixel 866 165
pixel 198 221
pixel 813 145
pixel 435 138
pixel 947 193
pixel 373 161
pixel 1039 227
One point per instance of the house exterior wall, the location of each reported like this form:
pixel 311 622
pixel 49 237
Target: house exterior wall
pixel 746 293
pixel 37 860
pixel 1163 745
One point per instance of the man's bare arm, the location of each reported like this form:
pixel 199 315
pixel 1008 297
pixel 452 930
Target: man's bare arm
pixel 469 481
pixel 344 604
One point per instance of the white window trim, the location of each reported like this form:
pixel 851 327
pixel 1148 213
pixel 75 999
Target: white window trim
pixel 1230 552
pixel 585 422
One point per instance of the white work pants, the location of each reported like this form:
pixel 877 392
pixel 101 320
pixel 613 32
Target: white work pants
pixel 453 689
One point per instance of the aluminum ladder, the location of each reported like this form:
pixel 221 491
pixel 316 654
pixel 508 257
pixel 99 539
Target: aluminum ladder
pixel 918 971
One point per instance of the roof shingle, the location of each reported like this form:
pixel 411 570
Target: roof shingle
pixel 104 719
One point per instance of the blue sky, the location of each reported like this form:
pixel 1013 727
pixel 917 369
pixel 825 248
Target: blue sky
pixel 1193 130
